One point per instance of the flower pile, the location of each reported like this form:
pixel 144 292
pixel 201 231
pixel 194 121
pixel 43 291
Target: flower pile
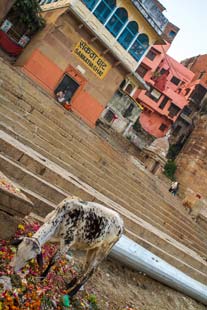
pixel 27 291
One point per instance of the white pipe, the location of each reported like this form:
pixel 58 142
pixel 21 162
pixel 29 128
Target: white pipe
pixel 138 258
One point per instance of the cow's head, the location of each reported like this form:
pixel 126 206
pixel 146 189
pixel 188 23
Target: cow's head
pixel 28 248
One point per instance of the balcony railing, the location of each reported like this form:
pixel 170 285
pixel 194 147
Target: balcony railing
pixel 152 14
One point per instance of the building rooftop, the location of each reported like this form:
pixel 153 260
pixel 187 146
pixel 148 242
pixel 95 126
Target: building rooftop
pixel 179 69
pixel 160 5
pixel 151 11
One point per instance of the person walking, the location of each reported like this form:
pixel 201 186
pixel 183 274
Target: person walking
pixel 174 188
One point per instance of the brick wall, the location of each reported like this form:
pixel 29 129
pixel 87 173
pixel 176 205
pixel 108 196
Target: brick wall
pixel 197 65
pixel 170 27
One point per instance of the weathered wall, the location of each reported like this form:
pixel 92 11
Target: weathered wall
pixel 59 45
pixel 192 162
pixel 47 58
pixel 197 65
pixel 151 123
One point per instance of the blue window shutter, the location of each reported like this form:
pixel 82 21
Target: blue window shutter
pixel 128 34
pixel 117 21
pixel 139 47
pixel 104 9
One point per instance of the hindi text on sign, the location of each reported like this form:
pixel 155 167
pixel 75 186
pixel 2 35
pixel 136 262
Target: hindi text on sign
pixel 92 59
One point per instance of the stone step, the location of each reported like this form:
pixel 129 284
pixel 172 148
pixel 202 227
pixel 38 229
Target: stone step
pixel 12 200
pixel 144 198
pixel 51 177
pixel 47 107
pixel 25 88
pixel 129 194
pixel 84 158
pixel 41 205
pixel 46 120
pixel 95 175
pixel 167 224
pixel 27 109
pixel 138 226
pixel 118 193
pixel 30 180
pixel 143 205
pixel 110 171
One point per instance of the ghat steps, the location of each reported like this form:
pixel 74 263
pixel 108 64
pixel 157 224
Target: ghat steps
pixel 51 154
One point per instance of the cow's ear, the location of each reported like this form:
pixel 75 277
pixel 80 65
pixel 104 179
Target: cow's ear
pixel 16 242
pixel 40 260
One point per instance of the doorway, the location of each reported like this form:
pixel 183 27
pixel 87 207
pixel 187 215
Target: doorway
pixel 67 87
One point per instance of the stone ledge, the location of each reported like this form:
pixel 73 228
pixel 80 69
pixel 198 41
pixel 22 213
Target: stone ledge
pixel 14 205
pixel 8 225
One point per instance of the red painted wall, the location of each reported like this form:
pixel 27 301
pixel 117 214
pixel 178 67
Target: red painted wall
pixel 48 75
pixel 87 107
pixel 151 123
pixel 43 71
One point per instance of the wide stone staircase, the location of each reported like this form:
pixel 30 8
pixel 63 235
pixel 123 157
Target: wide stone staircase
pixel 51 154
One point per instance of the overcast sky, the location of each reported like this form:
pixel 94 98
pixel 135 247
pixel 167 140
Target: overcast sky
pixel 191 17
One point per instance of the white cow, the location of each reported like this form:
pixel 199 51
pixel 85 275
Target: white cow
pixel 78 225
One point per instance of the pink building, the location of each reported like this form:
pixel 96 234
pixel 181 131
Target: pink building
pixel 166 99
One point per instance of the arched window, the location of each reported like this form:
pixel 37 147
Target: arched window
pixel 128 34
pixel 117 21
pixel 140 45
pixel 90 3
pixel 104 9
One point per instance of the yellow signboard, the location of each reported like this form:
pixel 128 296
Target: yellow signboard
pixel 97 64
